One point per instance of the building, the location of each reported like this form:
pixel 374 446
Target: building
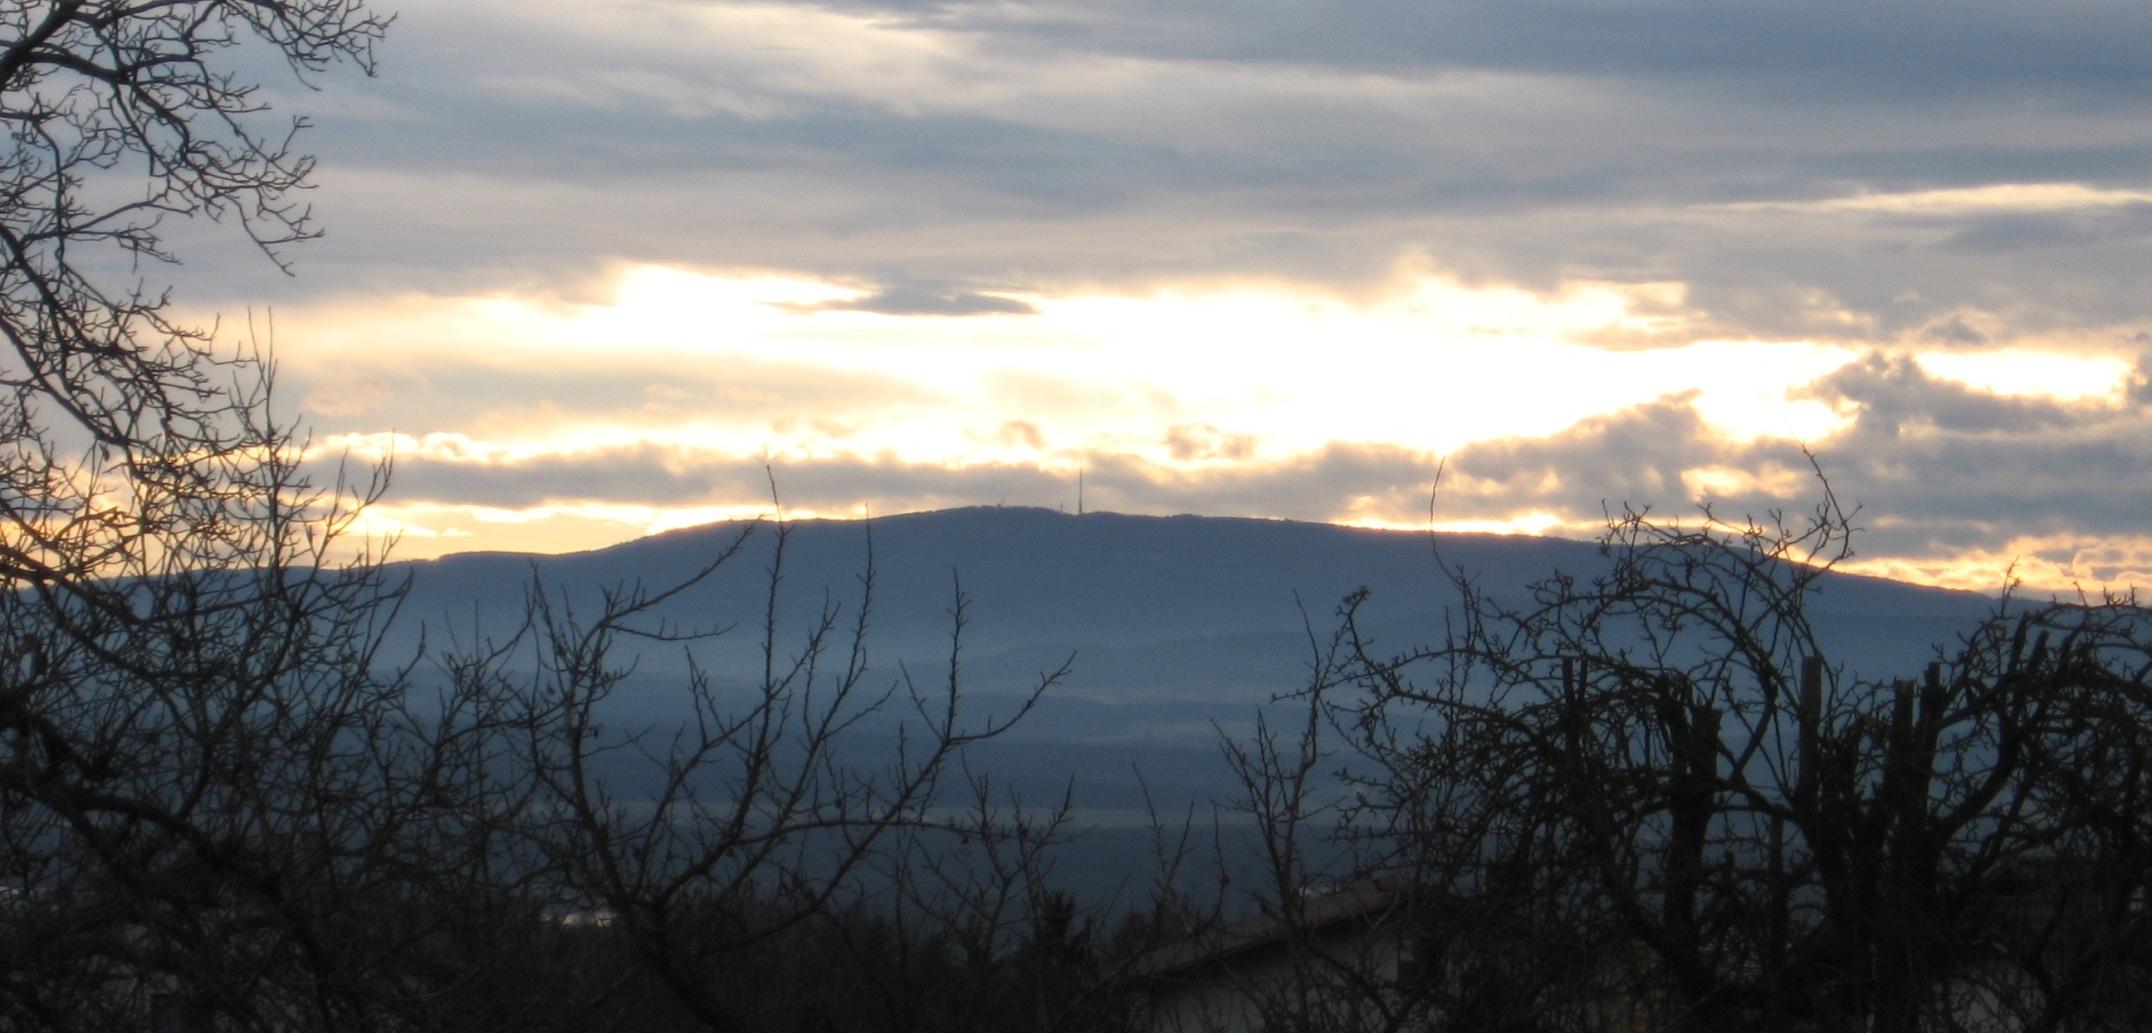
pixel 1328 957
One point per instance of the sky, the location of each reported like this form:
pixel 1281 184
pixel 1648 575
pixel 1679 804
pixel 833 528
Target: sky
pixel 600 268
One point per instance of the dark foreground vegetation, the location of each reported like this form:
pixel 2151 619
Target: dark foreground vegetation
pixel 1648 800
pixel 1642 800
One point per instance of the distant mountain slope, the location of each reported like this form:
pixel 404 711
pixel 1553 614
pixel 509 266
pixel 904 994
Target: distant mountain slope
pixel 1176 605
pixel 1181 627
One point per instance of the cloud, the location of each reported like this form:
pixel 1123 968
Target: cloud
pixel 1676 182
pixel 658 476
pixel 918 301
pixel 1341 480
pixel 1908 49
pixel 2019 198
pixel 645 474
pixel 360 395
pixel 2032 232
pixel 1200 441
pixel 1637 456
pixel 1942 471
pixel 1953 483
pixel 1922 455
pixel 1023 433
pixel 1953 330
pixel 1893 395
pixel 1046 145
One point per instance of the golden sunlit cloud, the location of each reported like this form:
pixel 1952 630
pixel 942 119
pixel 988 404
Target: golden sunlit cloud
pixel 2042 566
pixel 1534 522
pixel 2019 372
pixel 1996 197
pixel 1430 364
pixel 1772 479
pixel 431 530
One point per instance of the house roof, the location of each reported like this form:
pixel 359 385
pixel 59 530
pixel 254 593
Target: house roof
pixel 1361 899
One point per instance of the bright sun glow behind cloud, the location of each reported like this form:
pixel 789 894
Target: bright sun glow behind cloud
pixel 1431 365
pixel 572 405
pixel 2024 373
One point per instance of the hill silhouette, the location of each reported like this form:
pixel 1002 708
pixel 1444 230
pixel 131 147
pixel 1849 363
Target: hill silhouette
pixel 1180 627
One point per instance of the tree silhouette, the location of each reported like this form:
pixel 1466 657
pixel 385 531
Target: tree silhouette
pixel 221 806
pixel 1648 798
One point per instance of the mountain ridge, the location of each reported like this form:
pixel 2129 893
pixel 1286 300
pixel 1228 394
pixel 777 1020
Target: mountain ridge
pixel 1036 578
pixel 1182 629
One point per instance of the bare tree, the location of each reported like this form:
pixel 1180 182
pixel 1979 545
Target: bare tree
pixel 1647 799
pixel 764 811
pixel 221 806
pixel 203 769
